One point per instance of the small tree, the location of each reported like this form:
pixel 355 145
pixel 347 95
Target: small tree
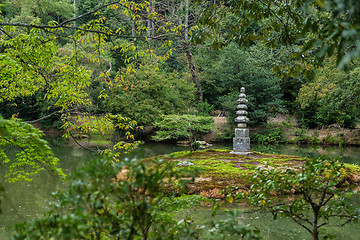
pixel 180 127
pixel 113 200
pixel 323 190
pixel 126 199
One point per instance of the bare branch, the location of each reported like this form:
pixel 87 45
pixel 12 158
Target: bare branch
pixel 82 146
pixel 42 118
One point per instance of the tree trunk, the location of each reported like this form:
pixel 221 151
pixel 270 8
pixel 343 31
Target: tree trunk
pixel 192 68
pixel 180 15
pixel 315 230
pixel 133 28
pixel 74 3
pixel 315 234
pixel 149 21
pixel 187 20
pixel 149 27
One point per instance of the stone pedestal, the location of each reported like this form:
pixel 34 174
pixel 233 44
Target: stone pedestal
pixel 241 141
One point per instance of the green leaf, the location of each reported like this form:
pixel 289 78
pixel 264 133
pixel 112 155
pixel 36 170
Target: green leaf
pixel 322 51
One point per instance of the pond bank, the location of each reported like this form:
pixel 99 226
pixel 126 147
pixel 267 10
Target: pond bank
pixel 280 130
pixel 284 129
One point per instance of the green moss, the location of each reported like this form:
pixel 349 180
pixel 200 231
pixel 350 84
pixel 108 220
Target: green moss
pixel 179 154
pixel 215 165
pixel 221 168
pixel 217 150
pixel 249 166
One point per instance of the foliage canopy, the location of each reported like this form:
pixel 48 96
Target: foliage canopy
pixel 33 154
pixel 326 27
pixel 226 71
pixel 325 100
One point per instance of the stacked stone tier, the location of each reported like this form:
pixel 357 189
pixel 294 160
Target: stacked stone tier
pixel 242 119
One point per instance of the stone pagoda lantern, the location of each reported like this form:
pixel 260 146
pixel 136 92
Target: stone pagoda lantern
pixel 241 141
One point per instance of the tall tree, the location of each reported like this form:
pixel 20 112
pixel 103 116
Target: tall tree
pixel 326 27
pixel 225 71
pixel 325 100
pixel 26 11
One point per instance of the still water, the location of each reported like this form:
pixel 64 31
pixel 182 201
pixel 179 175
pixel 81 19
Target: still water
pixel 23 201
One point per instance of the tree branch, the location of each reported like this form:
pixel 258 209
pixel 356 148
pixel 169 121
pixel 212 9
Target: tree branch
pixel 42 118
pixel 2 30
pixel 86 148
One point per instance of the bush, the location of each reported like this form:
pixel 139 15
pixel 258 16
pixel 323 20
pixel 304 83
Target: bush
pixel 126 199
pixel 114 200
pixel 270 135
pixel 330 99
pixel 182 127
pixel 147 94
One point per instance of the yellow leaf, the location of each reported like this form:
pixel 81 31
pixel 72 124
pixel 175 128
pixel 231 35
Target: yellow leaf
pixel 230 199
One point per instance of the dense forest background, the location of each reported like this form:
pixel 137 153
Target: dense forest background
pixel 145 60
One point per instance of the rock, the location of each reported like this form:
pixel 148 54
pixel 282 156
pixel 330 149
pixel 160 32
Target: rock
pixel 352 137
pixel 183 143
pixel 184 164
pixel 204 144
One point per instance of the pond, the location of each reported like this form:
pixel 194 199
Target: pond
pixel 24 201
pixel 270 229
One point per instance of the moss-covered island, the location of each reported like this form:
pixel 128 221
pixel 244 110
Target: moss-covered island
pixel 222 169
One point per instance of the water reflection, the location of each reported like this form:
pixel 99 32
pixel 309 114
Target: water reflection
pixel 26 200
pixel 23 201
pixel 345 154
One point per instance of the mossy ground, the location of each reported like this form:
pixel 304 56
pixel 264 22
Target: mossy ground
pixel 221 168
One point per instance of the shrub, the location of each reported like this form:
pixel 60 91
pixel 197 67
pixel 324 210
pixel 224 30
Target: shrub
pixel 270 135
pixel 182 127
pixel 140 204
pixel 147 93
pixel 327 99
